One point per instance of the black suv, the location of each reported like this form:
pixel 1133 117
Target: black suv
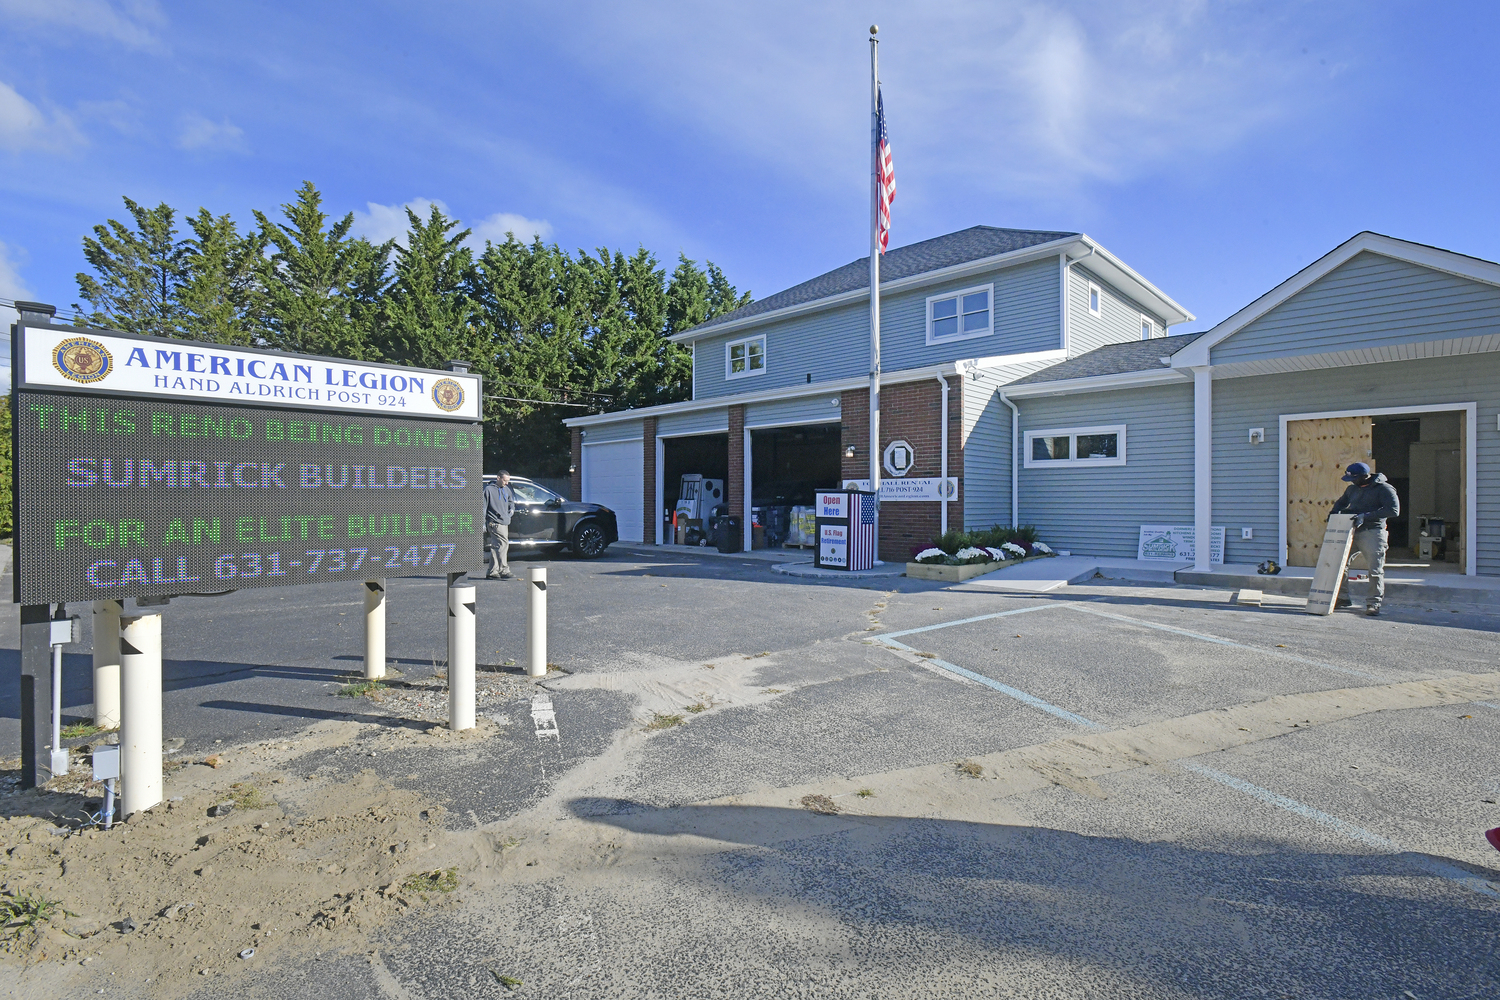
pixel 544 518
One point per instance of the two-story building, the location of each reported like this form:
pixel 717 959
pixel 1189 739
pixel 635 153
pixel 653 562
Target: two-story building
pixel 780 403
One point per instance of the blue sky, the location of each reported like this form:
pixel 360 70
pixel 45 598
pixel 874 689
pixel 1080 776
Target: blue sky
pixel 1216 147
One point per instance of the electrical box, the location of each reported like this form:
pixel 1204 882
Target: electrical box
pixel 106 762
pixel 66 630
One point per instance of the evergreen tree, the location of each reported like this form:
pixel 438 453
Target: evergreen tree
pixel 314 278
pixel 723 298
pixel 138 273
pixel 425 320
pixel 219 296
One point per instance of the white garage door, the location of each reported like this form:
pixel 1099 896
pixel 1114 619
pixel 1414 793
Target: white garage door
pixel 613 475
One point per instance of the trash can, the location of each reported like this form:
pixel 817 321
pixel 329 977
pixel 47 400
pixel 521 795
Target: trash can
pixel 728 533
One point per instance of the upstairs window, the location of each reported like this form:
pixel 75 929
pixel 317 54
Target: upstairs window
pixel 961 315
pixel 743 358
pixel 1075 446
pixel 1096 300
pixel 1148 327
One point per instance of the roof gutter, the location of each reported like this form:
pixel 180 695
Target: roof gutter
pixel 1098 383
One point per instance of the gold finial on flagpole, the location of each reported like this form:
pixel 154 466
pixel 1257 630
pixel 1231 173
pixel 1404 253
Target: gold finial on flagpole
pixel 874 29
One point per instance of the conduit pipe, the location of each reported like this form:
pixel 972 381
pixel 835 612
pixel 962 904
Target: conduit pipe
pixel 107 663
pixel 1015 458
pixel 943 449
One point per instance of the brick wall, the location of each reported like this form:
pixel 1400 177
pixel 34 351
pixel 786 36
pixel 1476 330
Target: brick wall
pixel 650 515
pixel 734 489
pixel 910 412
pixel 577 463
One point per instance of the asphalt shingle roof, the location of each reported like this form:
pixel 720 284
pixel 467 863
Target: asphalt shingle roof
pixel 975 243
pixel 1114 359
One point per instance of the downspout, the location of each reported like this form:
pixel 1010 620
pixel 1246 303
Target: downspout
pixel 943 486
pixel 1015 458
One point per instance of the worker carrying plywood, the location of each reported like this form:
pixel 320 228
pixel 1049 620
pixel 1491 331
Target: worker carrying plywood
pixel 1371 499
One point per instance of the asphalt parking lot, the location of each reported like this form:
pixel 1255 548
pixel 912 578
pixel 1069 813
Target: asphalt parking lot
pixel 1101 791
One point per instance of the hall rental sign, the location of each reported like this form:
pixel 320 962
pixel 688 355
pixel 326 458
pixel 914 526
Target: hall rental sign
pixel 147 467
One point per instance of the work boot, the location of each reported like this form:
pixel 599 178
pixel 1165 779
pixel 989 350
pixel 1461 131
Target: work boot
pixel 1372 610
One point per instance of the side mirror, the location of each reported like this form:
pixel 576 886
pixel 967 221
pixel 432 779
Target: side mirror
pixel 555 502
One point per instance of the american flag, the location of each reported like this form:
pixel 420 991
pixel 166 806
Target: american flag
pixel 885 171
pixel 862 532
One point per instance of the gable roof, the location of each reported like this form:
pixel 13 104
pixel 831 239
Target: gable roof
pixel 1474 268
pixel 974 243
pixel 1113 359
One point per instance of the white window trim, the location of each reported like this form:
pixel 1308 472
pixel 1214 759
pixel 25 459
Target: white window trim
pixel 1150 325
pixel 1095 292
pixel 748 372
pixel 959 294
pixel 1072 433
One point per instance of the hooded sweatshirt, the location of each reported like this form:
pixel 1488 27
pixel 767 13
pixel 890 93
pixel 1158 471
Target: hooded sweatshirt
pixel 1376 502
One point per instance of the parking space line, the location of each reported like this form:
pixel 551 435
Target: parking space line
pixel 1292 657
pixel 968 621
pixel 1439 868
pixel 1005 689
pixel 1485 704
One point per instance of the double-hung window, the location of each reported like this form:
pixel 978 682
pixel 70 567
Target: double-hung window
pixel 1096 300
pixel 1075 446
pixel 746 357
pixel 961 315
pixel 1148 327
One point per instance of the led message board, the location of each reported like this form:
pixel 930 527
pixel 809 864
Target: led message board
pixel 128 492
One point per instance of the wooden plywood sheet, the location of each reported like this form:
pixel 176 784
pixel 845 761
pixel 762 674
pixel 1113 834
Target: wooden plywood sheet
pixel 1333 560
pixel 1317 452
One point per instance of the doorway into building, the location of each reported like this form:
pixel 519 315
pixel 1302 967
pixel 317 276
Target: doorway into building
pixel 705 455
pixel 1421 453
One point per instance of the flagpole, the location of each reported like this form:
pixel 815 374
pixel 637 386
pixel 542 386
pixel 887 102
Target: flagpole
pixel 875 281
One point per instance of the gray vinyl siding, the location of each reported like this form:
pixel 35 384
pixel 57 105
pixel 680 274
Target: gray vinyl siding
pixel 830 344
pixel 820 409
pixel 1368 301
pixel 1119 318
pixel 694 422
pixel 1099 511
pixel 987 444
pixel 623 430
pixel 1246 480
pixel 834 343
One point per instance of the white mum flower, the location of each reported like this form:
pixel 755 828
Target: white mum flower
pixel 930 554
pixel 971 553
pixel 1040 547
pixel 1014 549
pixel 996 554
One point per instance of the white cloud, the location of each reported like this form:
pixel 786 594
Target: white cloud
pixel 498 225
pixel 200 135
pixel 379 223
pixel 1023 98
pixel 25 126
pixel 128 23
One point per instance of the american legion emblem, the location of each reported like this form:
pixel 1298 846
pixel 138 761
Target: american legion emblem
pixel 448 395
pixel 80 359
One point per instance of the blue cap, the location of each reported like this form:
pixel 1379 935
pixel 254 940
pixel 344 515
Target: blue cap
pixel 1356 471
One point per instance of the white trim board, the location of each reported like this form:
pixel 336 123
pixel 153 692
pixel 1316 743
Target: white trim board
pixel 1471 471
pixel 1473 268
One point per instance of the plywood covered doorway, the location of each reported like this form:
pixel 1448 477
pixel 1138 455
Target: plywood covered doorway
pixel 1317 451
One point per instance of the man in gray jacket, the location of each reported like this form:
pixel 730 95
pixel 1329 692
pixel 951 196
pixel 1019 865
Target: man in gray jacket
pixel 499 505
pixel 1371 499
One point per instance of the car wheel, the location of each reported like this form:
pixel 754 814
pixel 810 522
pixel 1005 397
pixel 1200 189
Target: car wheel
pixel 589 541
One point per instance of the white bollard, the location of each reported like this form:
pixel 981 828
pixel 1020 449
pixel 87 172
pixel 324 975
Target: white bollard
pixel 460 658
pixel 107 663
pixel 536 623
pixel 374 629
pixel 140 713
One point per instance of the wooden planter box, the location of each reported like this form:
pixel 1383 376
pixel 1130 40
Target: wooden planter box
pixel 958 574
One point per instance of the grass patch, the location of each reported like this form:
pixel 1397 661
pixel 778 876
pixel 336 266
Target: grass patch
pixel 247 796
pixel 660 721
pixel 969 768
pixel 80 730
pixel 360 689
pixel 774 691
pixel 866 793
pixel 928 656
pixel 25 911
pixel 820 804
pixel 509 982
pixel 702 706
pixel 442 880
